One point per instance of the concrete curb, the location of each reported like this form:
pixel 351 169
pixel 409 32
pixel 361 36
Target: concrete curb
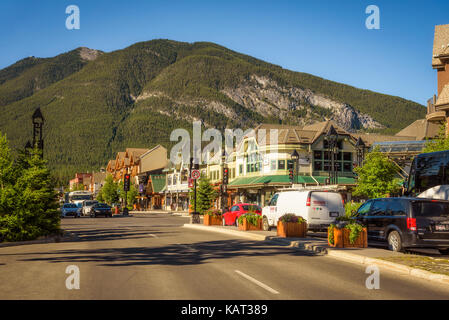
pixel 68 236
pixel 335 253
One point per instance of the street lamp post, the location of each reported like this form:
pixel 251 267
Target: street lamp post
pixel 38 123
pixel 332 140
pixel 295 158
pixel 223 181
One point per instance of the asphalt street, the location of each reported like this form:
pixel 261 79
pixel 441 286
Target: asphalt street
pixel 153 257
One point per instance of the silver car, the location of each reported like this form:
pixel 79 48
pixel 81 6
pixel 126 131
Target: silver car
pixel 87 206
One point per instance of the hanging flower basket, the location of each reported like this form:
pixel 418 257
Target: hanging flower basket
pixel 290 225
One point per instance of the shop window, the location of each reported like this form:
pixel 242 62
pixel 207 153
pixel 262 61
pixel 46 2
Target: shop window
pixel 281 165
pixel 347 156
pixel 273 165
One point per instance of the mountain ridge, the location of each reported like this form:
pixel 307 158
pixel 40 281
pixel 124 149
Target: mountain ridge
pixel 105 101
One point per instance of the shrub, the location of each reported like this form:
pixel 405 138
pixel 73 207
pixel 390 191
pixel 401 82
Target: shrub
pixel 351 208
pixel 354 228
pixel 252 218
pixel 213 212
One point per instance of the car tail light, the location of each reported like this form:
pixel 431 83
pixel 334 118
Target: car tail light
pixel 308 201
pixel 411 224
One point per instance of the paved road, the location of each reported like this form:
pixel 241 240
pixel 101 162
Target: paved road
pixel 153 257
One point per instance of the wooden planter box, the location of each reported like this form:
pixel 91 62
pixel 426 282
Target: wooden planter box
pixel 341 239
pixel 212 220
pixel 246 226
pixel 291 229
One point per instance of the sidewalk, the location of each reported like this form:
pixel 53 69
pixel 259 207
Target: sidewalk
pixel 175 213
pixel 393 261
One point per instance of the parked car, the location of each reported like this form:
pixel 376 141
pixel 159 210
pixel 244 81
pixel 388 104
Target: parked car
pixel 231 217
pixel 404 223
pixel 101 209
pixel 70 210
pixel 87 206
pixel 319 208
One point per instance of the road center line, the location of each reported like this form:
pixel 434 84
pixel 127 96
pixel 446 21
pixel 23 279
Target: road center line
pixel 260 284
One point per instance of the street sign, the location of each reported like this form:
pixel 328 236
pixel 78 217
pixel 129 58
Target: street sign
pixel 196 174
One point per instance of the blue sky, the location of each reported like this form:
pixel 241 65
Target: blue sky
pixel 325 38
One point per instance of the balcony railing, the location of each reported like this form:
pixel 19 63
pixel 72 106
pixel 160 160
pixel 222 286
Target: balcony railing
pixel 431 104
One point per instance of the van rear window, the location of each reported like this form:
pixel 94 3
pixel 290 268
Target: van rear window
pixel 430 209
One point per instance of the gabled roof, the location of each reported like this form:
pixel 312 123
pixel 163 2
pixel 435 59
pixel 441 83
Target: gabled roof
pixel 119 159
pixel 420 130
pixel 111 165
pixel 323 127
pixel 297 135
pixel 440 45
pixel 135 151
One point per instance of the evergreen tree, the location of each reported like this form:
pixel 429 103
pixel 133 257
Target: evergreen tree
pixel 32 202
pixel 205 195
pixel 377 176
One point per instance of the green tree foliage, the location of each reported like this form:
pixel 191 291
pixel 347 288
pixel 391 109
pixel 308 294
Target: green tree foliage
pixel 130 195
pixel 376 177
pixel 205 195
pixel 28 206
pixel 100 196
pixel 441 143
pixel 110 191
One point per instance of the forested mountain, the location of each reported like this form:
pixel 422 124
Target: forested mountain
pixel 96 103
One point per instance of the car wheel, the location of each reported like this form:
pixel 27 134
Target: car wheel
pixel 265 224
pixel 395 241
pixel 237 222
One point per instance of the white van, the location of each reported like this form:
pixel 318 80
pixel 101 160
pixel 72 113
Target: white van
pixel 319 208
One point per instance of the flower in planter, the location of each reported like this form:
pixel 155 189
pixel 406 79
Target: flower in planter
pixel 290 217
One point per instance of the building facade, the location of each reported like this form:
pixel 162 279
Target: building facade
pixel 438 105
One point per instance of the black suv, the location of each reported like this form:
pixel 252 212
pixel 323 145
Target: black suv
pixel 407 222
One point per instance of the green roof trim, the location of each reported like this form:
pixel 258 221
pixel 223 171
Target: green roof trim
pixel 158 182
pixel 244 181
